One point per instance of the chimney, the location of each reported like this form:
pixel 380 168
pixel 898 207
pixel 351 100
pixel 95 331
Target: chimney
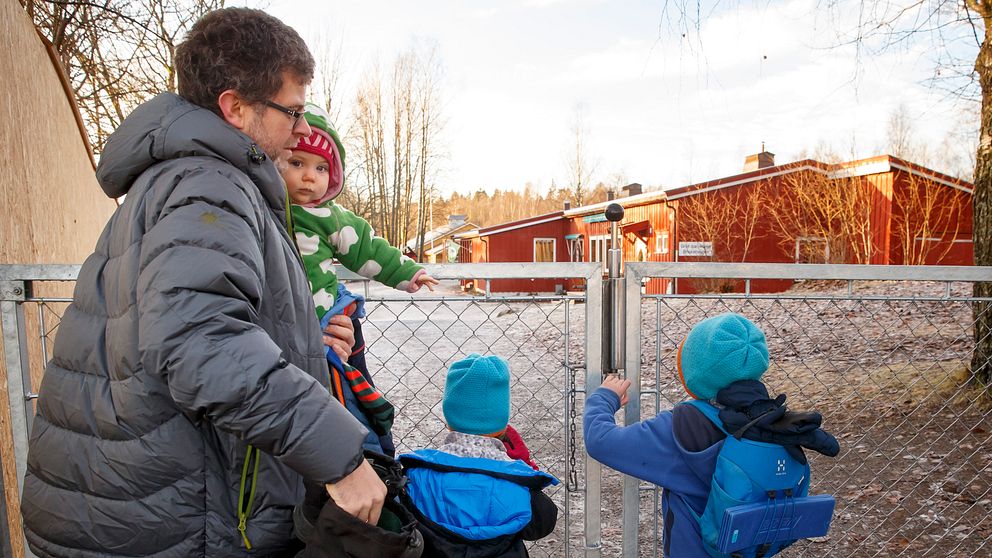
pixel 632 189
pixel 610 195
pixel 568 205
pixel 760 160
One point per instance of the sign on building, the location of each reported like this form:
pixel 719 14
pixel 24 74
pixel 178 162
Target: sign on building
pixel 695 248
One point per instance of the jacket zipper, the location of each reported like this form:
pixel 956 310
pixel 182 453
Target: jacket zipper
pixel 244 507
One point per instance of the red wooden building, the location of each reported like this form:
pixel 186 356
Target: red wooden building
pixel 535 239
pixel 881 210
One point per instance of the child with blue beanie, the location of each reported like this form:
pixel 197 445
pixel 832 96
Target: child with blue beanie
pixel 470 495
pixel 722 361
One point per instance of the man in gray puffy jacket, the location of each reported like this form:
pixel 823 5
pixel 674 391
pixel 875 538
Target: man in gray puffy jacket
pixel 187 395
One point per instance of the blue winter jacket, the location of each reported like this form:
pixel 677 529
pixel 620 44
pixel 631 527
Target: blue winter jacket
pixel 475 505
pixel 653 451
pixel 472 506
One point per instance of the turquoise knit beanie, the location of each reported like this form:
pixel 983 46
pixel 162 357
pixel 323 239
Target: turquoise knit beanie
pixel 477 395
pixel 720 351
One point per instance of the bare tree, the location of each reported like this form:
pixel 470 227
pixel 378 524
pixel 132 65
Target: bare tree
pixel 579 165
pixel 328 53
pixel 116 53
pixel 813 210
pixel 728 220
pixel 370 127
pixel 946 25
pixel 926 218
pixel 900 136
pixel 397 127
pixel 431 124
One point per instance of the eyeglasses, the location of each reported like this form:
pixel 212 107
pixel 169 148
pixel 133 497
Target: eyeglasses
pixel 296 115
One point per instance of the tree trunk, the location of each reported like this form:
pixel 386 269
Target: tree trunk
pixel 981 363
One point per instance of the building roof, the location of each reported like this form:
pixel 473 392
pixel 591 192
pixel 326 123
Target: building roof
pixel 520 223
pixel 437 235
pixel 861 167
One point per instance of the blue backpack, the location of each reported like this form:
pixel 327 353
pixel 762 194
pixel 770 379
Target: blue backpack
pixel 759 499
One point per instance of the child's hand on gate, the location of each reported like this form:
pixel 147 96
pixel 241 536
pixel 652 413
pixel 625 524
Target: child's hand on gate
pixel 426 281
pixel 613 383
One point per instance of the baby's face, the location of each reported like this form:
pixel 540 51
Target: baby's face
pixel 307 176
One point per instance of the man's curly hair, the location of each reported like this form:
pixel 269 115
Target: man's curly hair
pixel 241 49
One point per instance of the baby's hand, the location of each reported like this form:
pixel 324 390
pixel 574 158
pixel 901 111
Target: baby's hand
pixel 613 383
pixel 426 281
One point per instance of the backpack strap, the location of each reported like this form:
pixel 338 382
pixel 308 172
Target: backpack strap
pixel 713 414
pixel 709 411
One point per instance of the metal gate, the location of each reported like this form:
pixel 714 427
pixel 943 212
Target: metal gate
pixel 411 341
pixel 884 353
pixel 881 351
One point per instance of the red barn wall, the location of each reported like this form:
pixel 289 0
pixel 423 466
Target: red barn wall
pixel 949 238
pixel 766 245
pixel 951 245
pixel 517 245
pixel 641 244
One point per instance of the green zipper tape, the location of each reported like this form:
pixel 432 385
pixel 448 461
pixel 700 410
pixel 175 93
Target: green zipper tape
pixel 244 509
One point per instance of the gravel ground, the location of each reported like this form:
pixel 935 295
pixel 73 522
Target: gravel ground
pixel 884 363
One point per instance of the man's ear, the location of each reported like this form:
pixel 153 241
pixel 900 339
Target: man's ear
pixel 234 109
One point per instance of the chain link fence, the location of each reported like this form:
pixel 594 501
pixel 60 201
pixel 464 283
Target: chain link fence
pixel 410 342
pixel 886 362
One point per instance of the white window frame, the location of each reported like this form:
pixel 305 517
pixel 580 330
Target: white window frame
pixel 661 242
pixel 826 246
pixel 576 249
pixel 599 248
pixel 554 248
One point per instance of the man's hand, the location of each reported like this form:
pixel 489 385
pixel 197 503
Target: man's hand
pixel 613 383
pixel 361 493
pixel 339 335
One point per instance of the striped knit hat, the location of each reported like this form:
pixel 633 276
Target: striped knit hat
pixel 324 141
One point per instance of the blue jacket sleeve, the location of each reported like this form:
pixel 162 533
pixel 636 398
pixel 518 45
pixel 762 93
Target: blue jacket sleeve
pixel 646 450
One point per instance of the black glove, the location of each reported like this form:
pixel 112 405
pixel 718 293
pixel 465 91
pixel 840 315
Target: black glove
pixel 748 412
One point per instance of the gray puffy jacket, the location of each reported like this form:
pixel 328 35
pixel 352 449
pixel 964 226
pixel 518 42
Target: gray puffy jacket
pixel 191 339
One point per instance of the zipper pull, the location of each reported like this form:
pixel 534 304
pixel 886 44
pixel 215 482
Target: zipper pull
pixel 242 527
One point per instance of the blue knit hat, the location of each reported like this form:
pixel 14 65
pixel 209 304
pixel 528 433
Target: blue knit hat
pixel 720 351
pixel 477 395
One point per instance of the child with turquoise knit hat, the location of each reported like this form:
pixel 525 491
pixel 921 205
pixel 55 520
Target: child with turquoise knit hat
pixel 477 493
pixel 722 361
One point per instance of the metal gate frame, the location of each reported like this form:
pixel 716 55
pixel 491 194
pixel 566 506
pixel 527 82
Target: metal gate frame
pixel 637 272
pixel 16 283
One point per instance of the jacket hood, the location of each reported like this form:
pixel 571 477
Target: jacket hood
pixel 473 497
pixel 325 141
pixel 170 127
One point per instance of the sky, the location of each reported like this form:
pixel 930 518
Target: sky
pixel 661 108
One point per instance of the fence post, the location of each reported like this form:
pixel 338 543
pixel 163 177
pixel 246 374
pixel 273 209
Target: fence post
pixel 15 350
pixel 632 411
pixel 613 300
pixel 593 512
pixel 616 329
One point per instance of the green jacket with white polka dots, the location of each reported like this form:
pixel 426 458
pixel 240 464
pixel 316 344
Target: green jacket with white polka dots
pixel 327 232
